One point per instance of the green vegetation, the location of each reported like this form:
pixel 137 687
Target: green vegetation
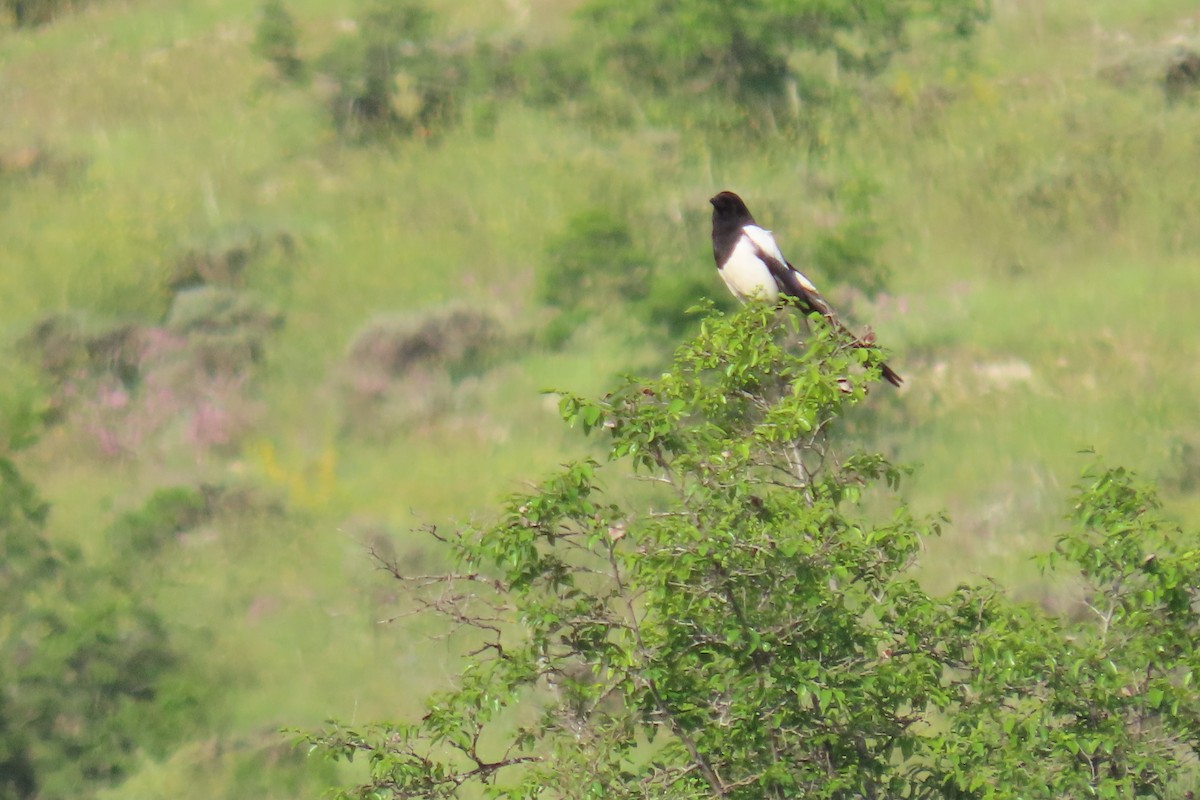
pixel 231 234
pixel 277 40
pixel 772 64
pixel 741 630
pixel 92 678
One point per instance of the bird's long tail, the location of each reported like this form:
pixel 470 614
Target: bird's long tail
pixel 890 375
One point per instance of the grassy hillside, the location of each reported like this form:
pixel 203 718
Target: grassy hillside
pixel 1035 205
pixel 1042 225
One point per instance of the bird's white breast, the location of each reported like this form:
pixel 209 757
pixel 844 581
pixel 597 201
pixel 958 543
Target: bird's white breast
pixel 747 276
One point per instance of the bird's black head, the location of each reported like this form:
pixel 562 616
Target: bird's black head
pixel 730 215
pixel 729 210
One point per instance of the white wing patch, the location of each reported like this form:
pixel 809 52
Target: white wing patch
pixel 765 242
pixel 763 239
pixel 805 282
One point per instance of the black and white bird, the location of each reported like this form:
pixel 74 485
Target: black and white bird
pixel 753 267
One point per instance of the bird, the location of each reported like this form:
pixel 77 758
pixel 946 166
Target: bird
pixel 754 268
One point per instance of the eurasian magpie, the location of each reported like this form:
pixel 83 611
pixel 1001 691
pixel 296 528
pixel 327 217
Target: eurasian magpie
pixel 753 267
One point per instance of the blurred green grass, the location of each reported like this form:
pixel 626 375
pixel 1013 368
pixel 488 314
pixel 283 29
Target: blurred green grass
pixel 1038 220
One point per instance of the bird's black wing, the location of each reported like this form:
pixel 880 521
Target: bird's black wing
pixel 792 282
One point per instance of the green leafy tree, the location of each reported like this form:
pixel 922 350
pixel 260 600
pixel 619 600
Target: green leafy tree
pixel 277 39
pixel 396 78
pixel 734 615
pixel 763 55
pixel 28 561
pixel 86 667
pixel 376 71
pixel 31 13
